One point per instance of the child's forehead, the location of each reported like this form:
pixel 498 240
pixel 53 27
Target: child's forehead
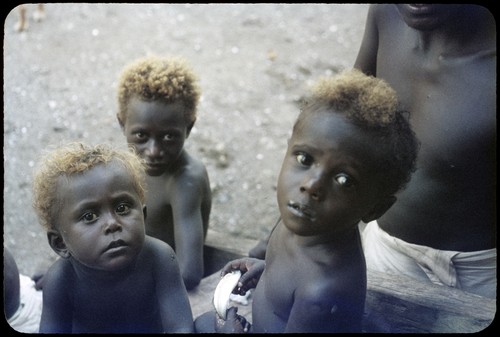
pixel 321 123
pixel 334 131
pixel 99 171
pixel 155 108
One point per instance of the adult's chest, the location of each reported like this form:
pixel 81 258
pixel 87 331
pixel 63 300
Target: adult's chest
pixel 452 103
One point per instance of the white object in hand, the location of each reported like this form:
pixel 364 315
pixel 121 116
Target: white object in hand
pixel 223 292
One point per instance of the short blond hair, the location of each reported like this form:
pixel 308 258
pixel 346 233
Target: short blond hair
pixel 363 98
pixel 159 78
pixel 75 158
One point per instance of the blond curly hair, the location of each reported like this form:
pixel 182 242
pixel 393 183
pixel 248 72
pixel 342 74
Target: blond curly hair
pixel 159 78
pixel 372 105
pixel 74 158
pixel 362 98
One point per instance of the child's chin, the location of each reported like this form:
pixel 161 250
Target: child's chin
pixel 155 172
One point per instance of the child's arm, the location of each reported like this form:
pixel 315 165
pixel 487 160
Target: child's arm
pixel 186 204
pixel 173 299
pixel 57 307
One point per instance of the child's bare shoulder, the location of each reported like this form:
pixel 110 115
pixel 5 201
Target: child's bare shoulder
pixel 155 250
pixel 194 167
pixel 60 269
pixel 193 174
pixel 330 286
pixel 59 278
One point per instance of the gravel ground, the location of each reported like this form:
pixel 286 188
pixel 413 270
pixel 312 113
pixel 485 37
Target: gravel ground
pixel 254 63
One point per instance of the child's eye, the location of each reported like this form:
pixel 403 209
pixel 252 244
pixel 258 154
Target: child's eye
pixel 344 180
pixel 140 136
pixel 304 159
pixel 89 217
pixel 168 137
pixel 123 209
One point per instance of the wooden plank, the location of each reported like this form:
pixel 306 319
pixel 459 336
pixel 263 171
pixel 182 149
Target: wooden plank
pixel 399 304
pixel 226 242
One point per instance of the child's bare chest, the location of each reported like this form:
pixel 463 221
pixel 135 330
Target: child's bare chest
pixel 115 307
pixel 158 190
pixel 285 276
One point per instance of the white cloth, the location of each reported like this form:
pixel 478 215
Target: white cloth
pixel 27 317
pixel 473 272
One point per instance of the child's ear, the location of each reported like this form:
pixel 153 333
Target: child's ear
pixel 379 209
pixel 57 244
pixel 145 211
pixel 122 125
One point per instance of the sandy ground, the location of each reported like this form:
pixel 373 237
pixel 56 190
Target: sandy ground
pixel 254 63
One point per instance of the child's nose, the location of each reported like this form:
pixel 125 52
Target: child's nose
pixel 112 226
pixel 153 149
pixel 313 185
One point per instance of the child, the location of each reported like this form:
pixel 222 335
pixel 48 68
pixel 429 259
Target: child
pixel 157 100
pixel 350 151
pixel 111 277
pixel 441 60
pixel 22 299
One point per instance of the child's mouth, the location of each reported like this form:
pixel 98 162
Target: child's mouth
pixel 301 210
pixel 116 244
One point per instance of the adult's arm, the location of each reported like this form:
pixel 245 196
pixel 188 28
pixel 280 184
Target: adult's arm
pixel 366 60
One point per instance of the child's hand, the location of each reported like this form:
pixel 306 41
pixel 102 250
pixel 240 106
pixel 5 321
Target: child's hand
pixel 234 323
pixel 251 270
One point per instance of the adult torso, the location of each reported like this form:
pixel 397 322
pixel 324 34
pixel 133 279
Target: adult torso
pixel 449 202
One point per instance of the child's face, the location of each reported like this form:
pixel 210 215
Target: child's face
pixel 157 131
pixel 326 184
pixel 100 218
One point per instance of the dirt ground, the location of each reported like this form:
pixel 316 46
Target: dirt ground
pixel 254 63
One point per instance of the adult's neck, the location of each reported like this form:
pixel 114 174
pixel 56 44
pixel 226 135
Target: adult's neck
pixel 470 31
